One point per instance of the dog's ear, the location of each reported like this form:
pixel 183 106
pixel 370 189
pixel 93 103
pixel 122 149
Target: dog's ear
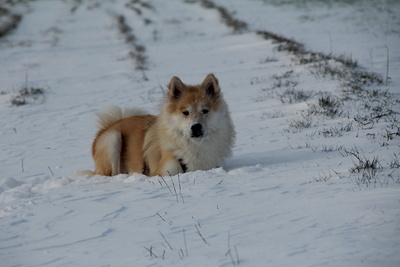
pixel 176 88
pixel 211 86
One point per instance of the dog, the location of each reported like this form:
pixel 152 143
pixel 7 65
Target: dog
pixel 194 131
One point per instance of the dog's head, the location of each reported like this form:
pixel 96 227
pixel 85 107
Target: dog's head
pixel 194 107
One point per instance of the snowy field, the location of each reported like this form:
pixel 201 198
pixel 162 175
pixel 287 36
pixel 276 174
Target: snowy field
pixel 314 179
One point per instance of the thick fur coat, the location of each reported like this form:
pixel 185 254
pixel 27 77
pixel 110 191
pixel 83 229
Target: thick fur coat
pixel 194 131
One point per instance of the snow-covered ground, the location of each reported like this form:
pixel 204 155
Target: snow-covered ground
pixel 297 190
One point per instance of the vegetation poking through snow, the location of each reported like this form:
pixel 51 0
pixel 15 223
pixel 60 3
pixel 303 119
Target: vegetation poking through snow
pixel 327 106
pixel 28 95
pixel 8 21
pixel 138 51
pixel 238 26
pixel 337 131
pixel 340 123
pixel 361 100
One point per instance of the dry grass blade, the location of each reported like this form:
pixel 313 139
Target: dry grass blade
pixel 169 245
pixel 202 237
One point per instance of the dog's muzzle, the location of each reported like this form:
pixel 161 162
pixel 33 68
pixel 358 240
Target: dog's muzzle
pixel 197 130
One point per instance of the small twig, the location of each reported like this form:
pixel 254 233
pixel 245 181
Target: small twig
pixel 166 184
pixel 181 255
pixel 230 255
pixel 184 240
pixel 229 241
pixel 180 189
pixel 151 252
pixel 50 170
pixel 170 222
pixel 237 255
pixel 229 249
pixel 179 183
pixel 176 194
pixel 229 252
pixel 387 64
pixel 204 240
pixel 144 76
pixel 166 241
pixel 161 217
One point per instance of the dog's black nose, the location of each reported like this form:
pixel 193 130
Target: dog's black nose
pixel 197 130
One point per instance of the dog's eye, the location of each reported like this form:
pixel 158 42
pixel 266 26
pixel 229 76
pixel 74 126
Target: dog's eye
pixel 186 113
pixel 205 111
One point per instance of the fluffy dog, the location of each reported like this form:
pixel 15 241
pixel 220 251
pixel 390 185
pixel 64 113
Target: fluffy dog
pixel 194 131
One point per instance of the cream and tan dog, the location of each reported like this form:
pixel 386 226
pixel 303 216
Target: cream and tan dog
pixel 194 131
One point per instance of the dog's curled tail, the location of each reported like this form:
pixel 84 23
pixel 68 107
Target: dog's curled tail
pixel 113 114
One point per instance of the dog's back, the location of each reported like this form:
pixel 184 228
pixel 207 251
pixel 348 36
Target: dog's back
pixel 117 147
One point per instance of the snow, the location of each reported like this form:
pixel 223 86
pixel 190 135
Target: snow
pixel 363 31
pixel 286 197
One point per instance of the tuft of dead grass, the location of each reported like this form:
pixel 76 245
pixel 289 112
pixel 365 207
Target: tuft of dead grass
pixel 8 23
pixel 28 95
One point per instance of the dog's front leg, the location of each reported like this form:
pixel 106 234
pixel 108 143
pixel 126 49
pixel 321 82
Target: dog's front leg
pixel 169 165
